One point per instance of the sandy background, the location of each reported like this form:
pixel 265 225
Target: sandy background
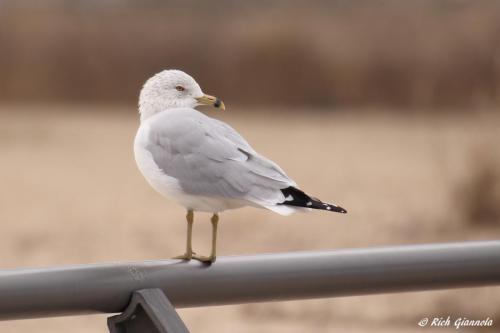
pixel 71 194
pixel 388 108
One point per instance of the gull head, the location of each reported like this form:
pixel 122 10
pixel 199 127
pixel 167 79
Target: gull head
pixel 171 89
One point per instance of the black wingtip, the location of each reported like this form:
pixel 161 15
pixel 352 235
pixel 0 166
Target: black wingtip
pixel 341 210
pixel 297 198
pixel 333 208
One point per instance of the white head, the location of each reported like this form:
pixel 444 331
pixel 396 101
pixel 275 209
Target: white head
pixel 172 89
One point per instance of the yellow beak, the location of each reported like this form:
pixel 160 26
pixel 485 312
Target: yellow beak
pixel 212 101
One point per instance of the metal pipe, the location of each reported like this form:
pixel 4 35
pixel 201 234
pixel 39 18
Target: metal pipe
pixel 106 288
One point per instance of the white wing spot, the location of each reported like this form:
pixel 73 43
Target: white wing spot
pixel 289 198
pixel 309 203
pixel 329 208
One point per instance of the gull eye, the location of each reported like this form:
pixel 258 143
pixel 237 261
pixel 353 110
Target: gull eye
pixel 180 88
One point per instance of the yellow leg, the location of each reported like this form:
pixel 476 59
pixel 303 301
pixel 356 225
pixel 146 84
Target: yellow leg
pixel 189 249
pixel 213 253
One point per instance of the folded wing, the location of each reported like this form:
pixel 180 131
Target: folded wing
pixel 209 158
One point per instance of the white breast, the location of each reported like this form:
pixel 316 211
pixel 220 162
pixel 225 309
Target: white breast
pixel 161 182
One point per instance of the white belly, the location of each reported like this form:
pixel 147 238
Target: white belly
pixel 169 186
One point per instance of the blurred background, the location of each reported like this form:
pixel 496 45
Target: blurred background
pixel 391 107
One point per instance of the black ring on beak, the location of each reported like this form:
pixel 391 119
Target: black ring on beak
pixel 217 103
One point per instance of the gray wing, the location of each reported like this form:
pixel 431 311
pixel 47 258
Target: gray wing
pixel 209 158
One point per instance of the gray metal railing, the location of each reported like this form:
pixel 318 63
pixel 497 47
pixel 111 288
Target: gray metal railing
pixel 107 288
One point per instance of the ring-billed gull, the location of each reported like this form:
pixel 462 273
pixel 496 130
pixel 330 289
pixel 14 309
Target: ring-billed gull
pixel 203 163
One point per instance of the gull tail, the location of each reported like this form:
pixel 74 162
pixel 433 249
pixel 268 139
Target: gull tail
pixel 297 198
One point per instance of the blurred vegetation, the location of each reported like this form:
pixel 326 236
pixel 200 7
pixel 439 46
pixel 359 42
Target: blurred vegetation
pixel 423 55
pixel 479 194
